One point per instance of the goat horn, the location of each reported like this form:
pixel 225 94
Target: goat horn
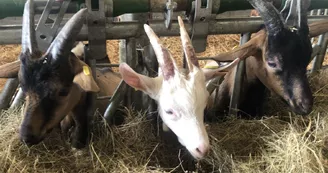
pixel 29 44
pixel 163 55
pixel 63 43
pixel 187 46
pixel 273 21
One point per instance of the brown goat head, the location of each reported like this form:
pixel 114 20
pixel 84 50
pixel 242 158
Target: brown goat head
pixel 281 52
pixel 53 82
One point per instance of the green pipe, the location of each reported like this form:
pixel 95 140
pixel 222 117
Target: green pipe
pixel 231 5
pixel 318 4
pixel 135 6
pixel 12 8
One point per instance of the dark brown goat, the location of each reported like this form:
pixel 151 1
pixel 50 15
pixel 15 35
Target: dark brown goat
pixel 56 83
pixel 277 58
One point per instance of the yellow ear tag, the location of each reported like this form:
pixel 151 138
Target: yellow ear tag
pixel 211 67
pixel 86 70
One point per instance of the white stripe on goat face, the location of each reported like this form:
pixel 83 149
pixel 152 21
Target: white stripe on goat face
pixel 182 100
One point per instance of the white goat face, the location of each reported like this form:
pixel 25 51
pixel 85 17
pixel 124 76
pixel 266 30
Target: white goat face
pixel 181 97
pixel 182 100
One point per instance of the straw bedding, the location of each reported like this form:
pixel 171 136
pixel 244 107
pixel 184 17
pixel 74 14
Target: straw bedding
pixel 279 142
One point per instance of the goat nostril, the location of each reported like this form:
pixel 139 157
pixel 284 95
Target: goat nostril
pixel 198 150
pixel 304 107
pixel 202 150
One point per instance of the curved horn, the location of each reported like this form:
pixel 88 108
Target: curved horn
pixel 187 46
pixel 29 44
pixel 163 55
pixel 63 43
pixel 272 19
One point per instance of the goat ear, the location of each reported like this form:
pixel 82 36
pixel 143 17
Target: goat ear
pixel 318 28
pixel 210 70
pixel 83 75
pixel 146 84
pixel 248 49
pixel 10 70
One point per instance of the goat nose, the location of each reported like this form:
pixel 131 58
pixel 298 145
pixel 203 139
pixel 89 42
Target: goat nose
pixel 305 107
pixel 202 150
pixel 30 140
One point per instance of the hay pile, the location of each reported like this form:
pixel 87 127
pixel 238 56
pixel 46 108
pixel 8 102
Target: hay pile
pixel 281 142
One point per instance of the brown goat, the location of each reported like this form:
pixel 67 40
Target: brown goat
pixel 75 107
pixel 277 58
pixel 55 83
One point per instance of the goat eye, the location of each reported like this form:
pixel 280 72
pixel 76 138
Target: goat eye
pixel 272 64
pixel 63 92
pixel 170 112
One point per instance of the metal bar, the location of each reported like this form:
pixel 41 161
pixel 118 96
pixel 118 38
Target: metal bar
pixel 124 30
pixel 18 100
pixel 318 60
pixel 15 7
pixel 238 81
pixel 312 14
pixel 107 65
pixel 117 65
pixel 104 97
pixel 96 30
pixel 95 22
pixel 315 51
pixel 322 43
pixel 130 57
pixel 45 33
pixel 8 92
pixel 200 22
pixel 115 101
pixel 128 54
